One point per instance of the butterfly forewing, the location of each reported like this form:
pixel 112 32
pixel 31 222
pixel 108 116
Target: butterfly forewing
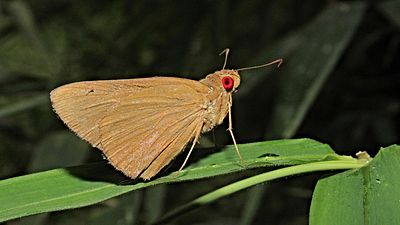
pixel 148 137
pixel 139 124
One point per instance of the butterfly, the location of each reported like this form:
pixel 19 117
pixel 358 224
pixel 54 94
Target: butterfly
pixel 141 124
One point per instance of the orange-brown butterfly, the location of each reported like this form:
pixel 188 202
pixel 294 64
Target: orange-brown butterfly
pixel 142 124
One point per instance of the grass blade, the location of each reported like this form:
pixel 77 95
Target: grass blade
pixel 92 183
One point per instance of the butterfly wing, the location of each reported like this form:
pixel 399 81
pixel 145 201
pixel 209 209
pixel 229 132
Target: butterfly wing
pixel 187 133
pixel 139 124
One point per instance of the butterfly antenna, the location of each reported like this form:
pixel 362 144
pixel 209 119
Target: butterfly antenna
pixel 226 52
pixel 278 61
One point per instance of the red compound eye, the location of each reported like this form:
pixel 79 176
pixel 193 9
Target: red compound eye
pixel 227 83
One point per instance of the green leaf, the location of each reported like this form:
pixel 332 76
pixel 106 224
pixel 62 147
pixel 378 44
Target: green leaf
pixel 88 184
pixel 370 195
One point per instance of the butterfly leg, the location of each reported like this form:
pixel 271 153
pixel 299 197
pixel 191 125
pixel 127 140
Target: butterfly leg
pixel 230 129
pixel 196 138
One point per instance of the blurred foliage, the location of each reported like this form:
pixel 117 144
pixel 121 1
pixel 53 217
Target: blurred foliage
pixel 350 102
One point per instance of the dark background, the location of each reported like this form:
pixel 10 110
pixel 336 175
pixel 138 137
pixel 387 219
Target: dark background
pixel 339 84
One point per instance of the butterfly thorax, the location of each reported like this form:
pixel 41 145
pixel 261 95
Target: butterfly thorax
pixel 218 99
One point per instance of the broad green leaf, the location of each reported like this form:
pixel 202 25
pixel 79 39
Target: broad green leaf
pixel 88 184
pixel 370 195
pixel 338 199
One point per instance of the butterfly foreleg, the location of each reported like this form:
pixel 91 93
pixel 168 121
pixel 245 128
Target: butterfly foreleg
pixel 230 129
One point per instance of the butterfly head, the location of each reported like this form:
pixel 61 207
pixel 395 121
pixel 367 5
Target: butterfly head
pixel 226 81
pixel 229 79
